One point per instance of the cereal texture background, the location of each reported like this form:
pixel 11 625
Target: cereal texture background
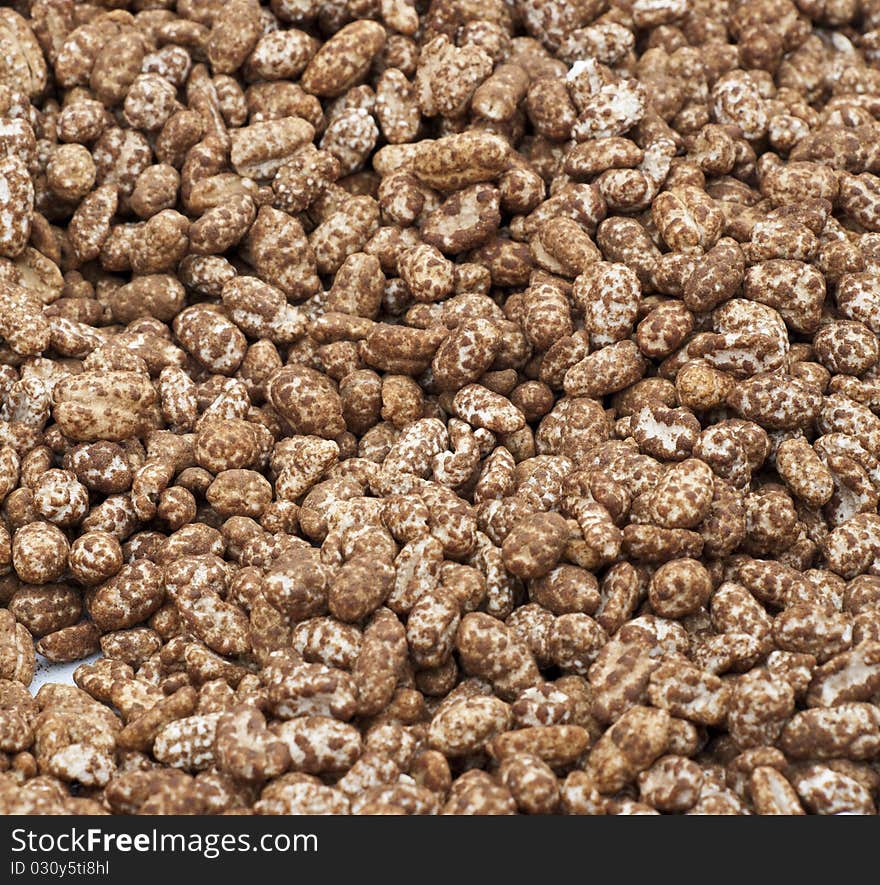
pixel 440 407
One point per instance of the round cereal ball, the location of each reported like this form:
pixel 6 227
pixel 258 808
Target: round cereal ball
pixel 701 387
pixel 671 784
pixel 575 642
pixel 846 347
pixel 533 398
pixel 177 506
pixel 535 544
pixel 18 508
pixel 70 172
pixel 679 588
pixel 150 101
pixel 60 498
pixel 226 445
pixel 214 341
pixel 95 557
pixel 155 190
pixel 39 553
pixel 239 493
pixel 101 466
pixel 280 516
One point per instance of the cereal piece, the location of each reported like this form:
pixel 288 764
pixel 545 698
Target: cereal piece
pixel 111 406
pixel 686 692
pixel 134 593
pixel 531 782
pixel 39 553
pixel 17 203
pixel 776 403
pixel 280 55
pixel 555 745
pixel 69 643
pixel 282 255
pixel 760 704
pixel 630 746
pixel 608 370
pixel 457 161
pixel 771 793
pixel 188 743
pixel 804 472
pixel 16 650
pixel 194 584
pixel 344 60
pixel 825 791
pixel 679 588
pixel 318 744
pixel 466 726
pixel 465 220
pixel 46 608
pixel 489 650
pixel 534 545
pixel 669 434
pixel 683 495
pixel 847 730
pixel 848 676
pixel 671 784
pixel 687 219
pixel 481 407
pixel 308 400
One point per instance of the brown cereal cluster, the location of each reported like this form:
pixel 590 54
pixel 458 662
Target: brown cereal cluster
pixel 440 407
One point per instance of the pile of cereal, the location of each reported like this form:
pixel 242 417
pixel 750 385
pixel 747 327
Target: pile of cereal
pixel 451 407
